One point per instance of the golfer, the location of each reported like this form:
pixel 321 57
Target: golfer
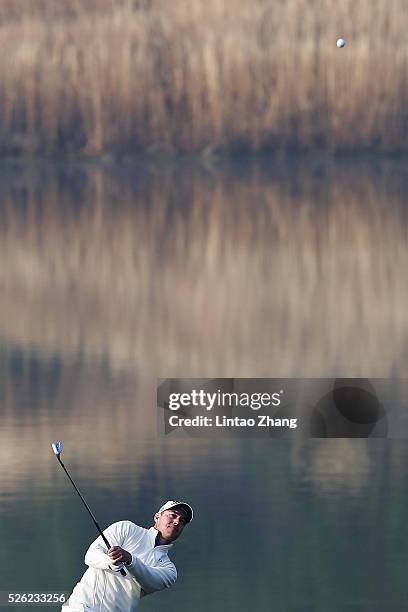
pixel 143 553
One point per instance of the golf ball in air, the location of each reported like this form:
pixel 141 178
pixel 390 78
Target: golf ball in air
pixel 340 42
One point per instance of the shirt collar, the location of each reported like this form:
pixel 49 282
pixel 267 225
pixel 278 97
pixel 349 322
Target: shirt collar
pixel 153 533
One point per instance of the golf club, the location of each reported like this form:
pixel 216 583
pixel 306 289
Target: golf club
pixel 57 448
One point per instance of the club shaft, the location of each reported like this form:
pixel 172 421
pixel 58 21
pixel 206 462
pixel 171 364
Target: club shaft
pixel 122 571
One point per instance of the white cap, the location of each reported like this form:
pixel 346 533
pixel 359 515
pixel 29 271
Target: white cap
pixel 171 504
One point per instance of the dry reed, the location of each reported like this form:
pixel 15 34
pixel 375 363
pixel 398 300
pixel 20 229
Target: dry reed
pixel 110 77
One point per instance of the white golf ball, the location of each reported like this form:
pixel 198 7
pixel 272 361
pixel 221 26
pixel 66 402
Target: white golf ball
pixel 340 42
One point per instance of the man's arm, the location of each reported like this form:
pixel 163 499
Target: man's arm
pixel 153 578
pixel 150 578
pixel 96 555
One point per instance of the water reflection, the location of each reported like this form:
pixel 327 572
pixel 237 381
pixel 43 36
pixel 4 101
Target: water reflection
pixel 228 271
pixel 111 277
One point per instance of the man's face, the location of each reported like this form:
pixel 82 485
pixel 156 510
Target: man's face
pixel 171 523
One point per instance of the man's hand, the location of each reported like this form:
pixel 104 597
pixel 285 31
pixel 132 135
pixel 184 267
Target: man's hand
pixel 119 555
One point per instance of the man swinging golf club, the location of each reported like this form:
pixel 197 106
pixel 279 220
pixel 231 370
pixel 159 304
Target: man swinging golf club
pixel 126 561
pixel 143 553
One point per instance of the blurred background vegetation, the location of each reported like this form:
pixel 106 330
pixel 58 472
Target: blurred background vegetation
pixel 118 77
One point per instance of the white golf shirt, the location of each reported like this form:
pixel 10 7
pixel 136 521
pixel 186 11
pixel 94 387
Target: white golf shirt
pixel 102 589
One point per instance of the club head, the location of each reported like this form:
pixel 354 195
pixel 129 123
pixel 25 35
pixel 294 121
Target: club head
pixel 57 447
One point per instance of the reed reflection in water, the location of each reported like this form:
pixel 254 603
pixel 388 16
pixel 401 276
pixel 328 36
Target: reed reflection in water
pixel 231 270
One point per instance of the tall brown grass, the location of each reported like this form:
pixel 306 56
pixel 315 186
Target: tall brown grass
pixel 101 77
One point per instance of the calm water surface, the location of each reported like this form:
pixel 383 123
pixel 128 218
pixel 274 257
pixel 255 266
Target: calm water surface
pixel 113 276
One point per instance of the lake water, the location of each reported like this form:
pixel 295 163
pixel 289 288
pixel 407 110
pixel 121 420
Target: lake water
pixel 114 276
